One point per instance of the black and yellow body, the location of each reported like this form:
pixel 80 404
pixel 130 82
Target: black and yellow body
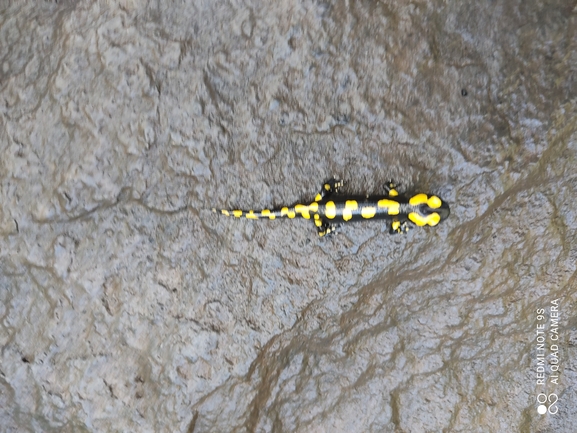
pixel 329 210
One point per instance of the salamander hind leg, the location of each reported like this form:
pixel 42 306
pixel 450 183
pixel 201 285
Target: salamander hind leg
pixel 329 187
pixel 324 228
pixel 327 230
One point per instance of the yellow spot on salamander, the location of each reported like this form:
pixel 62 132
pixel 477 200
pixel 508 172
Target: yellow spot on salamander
pixel 434 202
pixel 350 206
pixel 284 211
pixel 434 219
pixel 368 211
pixel 251 215
pixel 418 199
pixel 393 192
pixel 237 213
pixel 431 220
pixel 318 197
pixel 303 210
pixel 267 213
pixel 396 225
pixel 327 187
pixel 318 221
pixel 330 210
pixel 225 212
pixel 314 207
pixel 391 206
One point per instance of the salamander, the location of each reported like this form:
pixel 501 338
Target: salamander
pixel 329 208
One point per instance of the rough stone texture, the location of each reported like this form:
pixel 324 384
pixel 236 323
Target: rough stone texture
pixel 126 306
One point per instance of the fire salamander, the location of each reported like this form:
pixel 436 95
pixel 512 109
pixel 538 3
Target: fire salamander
pixel 402 211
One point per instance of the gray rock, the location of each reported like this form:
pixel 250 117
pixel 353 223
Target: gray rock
pixel 128 306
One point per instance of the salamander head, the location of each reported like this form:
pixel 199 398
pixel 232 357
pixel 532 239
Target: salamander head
pixel 427 210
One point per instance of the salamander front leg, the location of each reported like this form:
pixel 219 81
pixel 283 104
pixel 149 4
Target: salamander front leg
pixel 329 187
pixel 399 227
pixel 391 188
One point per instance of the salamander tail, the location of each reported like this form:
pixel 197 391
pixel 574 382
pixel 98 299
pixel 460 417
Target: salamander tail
pixel 249 214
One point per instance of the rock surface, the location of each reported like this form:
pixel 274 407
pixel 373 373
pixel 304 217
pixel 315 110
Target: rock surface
pixel 127 306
